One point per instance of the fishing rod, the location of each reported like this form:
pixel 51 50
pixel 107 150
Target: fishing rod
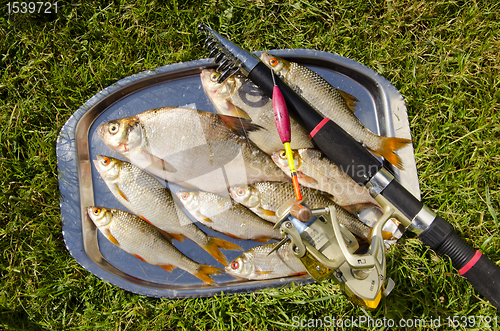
pixel 345 151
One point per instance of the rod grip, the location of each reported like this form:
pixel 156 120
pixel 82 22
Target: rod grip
pixel 479 271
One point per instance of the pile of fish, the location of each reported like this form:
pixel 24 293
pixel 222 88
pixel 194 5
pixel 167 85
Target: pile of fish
pixel 233 173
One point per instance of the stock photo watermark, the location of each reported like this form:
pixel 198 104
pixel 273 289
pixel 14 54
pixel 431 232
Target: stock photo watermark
pixel 455 322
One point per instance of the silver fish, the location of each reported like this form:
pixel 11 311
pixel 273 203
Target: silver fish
pixel 256 264
pixel 224 215
pixel 144 241
pixel 143 195
pixel 334 104
pixel 264 198
pixel 316 171
pixel 239 96
pixel 194 148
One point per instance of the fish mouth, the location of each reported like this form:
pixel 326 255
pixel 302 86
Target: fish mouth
pixel 207 84
pixel 123 148
pixel 97 165
pixel 265 56
pixel 204 73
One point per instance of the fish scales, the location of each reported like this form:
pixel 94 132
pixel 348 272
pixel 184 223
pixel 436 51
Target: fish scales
pixel 190 147
pixel 264 198
pixel 136 236
pixel 316 171
pixel 334 104
pixel 256 264
pixel 141 239
pixel 146 197
pixel 224 215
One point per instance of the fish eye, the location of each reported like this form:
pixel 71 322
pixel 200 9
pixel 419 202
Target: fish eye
pixel 273 62
pixel 105 161
pixel 184 196
pixel 240 191
pixel 214 77
pixel 96 211
pixel 113 128
pixel 235 265
pixel 283 154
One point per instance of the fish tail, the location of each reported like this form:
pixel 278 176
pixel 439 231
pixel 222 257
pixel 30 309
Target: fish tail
pixel 215 244
pixel 389 146
pixel 204 272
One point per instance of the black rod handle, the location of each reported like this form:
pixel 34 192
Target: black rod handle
pixel 484 276
pixel 479 271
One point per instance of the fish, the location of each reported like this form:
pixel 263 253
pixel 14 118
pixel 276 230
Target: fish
pixel 334 104
pixel 316 171
pixel 239 96
pixel 193 148
pixel 256 264
pixel 146 197
pixel 264 198
pixel 222 214
pixel 139 238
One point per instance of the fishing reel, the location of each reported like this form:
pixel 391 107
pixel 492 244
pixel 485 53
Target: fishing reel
pixel 327 249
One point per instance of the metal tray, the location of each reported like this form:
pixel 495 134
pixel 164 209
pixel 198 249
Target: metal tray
pixel 381 109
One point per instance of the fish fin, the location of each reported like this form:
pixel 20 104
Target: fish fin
pixel 213 246
pixel 168 267
pixel 349 99
pixel 231 235
pixel 205 270
pixel 329 196
pixel 144 219
pixel 260 272
pixel 266 212
pixel 167 236
pixel 237 111
pixel 262 240
pixel 389 145
pixel 111 238
pixel 176 236
pixel 307 179
pixel 204 218
pixel 120 192
pixel 139 257
pixel 298 273
pixel 240 125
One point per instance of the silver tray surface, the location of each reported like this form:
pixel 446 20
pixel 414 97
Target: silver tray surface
pixel 381 108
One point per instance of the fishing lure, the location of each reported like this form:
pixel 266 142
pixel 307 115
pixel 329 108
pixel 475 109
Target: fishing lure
pixel 282 121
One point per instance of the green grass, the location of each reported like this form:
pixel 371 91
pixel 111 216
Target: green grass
pixel 443 56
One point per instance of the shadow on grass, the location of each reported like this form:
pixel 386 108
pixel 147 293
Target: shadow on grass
pixel 17 320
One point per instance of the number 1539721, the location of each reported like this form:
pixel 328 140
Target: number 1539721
pixel 31 7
